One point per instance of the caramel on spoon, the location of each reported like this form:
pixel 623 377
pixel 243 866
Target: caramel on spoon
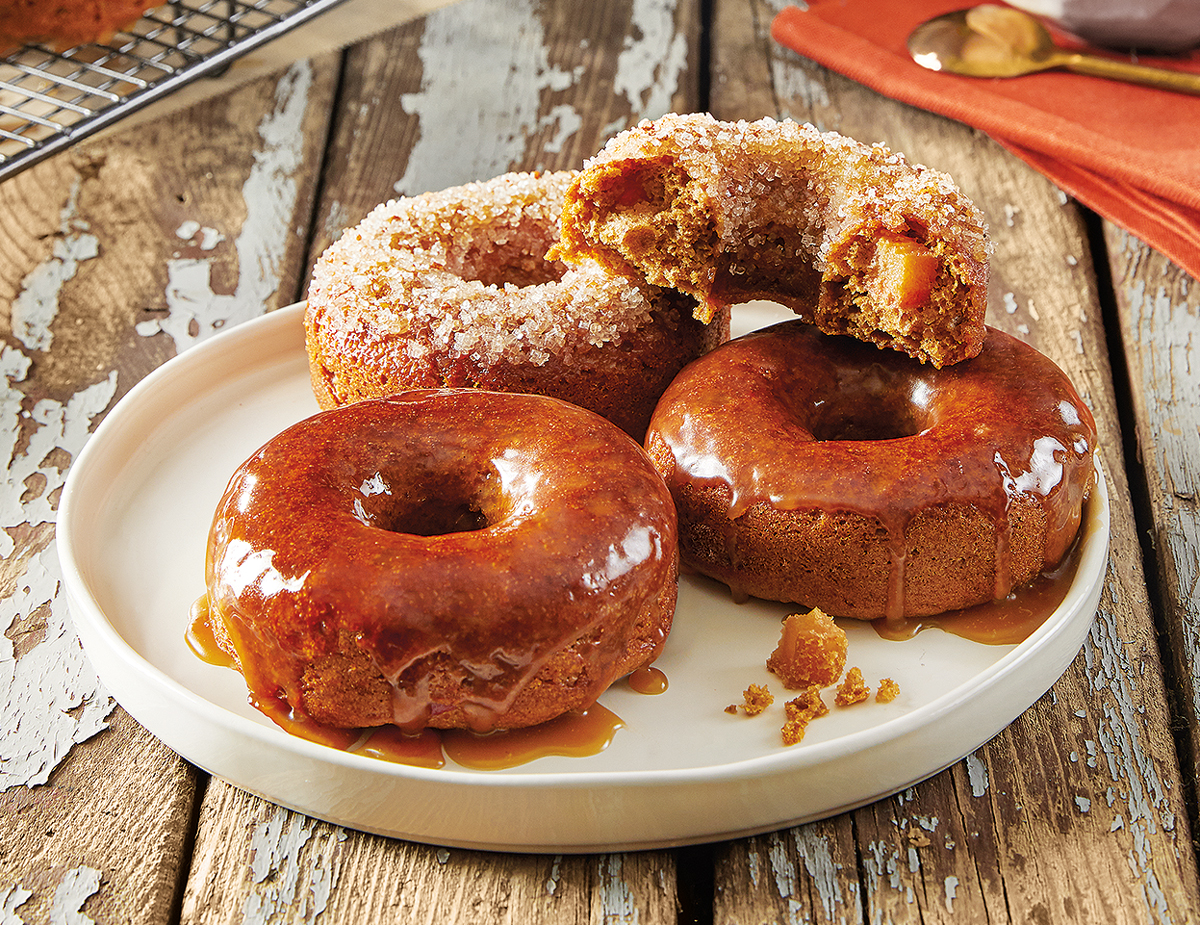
pixel 998 41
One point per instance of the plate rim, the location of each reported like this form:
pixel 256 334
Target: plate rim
pixel 277 322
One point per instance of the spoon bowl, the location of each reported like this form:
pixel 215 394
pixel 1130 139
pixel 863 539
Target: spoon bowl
pixel 998 41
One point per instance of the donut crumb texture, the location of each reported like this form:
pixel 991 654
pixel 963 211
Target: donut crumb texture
pixel 811 651
pixel 851 237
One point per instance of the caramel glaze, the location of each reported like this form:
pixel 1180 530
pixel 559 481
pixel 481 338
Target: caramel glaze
pixel 795 421
pixel 1006 621
pixel 480 533
pixel 575 734
pixel 648 680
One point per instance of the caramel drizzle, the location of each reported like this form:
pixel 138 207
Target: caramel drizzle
pixel 577 535
pixel 1003 426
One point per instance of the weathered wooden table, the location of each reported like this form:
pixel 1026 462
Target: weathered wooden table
pixel 126 250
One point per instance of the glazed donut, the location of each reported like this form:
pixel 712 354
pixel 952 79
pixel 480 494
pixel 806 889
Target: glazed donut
pixel 445 559
pixel 815 469
pixel 851 238
pixel 453 289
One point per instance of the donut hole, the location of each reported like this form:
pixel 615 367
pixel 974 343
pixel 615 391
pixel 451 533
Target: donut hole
pixel 438 517
pixel 772 255
pixel 868 404
pixel 507 255
pixel 434 505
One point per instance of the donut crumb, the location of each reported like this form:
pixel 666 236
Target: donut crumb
pixel 887 691
pixel 800 712
pixel 852 689
pixel 811 651
pixel 756 698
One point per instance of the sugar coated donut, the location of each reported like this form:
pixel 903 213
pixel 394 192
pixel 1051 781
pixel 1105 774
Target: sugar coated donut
pixel 453 289
pixel 442 558
pixel 852 238
pixel 818 470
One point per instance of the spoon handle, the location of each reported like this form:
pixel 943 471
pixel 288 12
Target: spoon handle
pixel 1095 66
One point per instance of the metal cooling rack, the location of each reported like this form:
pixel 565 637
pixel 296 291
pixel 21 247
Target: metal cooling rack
pixel 50 100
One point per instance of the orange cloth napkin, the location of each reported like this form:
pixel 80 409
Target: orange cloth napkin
pixel 1130 153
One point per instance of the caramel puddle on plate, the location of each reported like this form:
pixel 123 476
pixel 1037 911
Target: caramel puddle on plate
pixel 576 734
pixel 1007 621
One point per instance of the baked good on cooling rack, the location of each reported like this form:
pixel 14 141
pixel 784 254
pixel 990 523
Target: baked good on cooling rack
pixel 453 289
pixel 449 558
pixel 66 23
pixel 852 238
pixel 818 470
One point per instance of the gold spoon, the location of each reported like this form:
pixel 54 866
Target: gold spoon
pixel 998 41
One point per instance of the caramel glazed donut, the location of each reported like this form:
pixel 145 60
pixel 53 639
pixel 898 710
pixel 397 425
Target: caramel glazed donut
pixel 819 470
pixel 851 238
pixel 443 558
pixel 453 289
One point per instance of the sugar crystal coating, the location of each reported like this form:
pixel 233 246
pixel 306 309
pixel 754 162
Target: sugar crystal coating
pixel 453 289
pixel 435 265
pixel 733 211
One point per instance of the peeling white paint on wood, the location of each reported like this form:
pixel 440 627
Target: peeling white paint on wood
pixel 951 892
pixel 1138 795
pixel 787 879
pixel 467 92
pixel 618 905
pixel 1166 326
pixel 36 305
pixel 555 875
pixel 652 60
pixel 882 865
pixel 977 775
pixel 11 900
pixel 817 855
pixel 50 697
pixel 294 869
pixel 76 886
pixel 195 311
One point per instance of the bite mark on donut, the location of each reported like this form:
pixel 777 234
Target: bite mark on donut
pixel 851 237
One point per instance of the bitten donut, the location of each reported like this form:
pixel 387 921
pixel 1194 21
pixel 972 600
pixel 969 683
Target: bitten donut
pixel 444 558
pixel 851 238
pixel 453 289
pixel 815 469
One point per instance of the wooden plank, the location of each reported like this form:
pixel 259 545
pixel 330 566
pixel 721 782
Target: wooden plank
pixel 257 863
pixel 1075 811
pixel 472 91
pixel 1159 309
pixel 119 254
pixel 485 87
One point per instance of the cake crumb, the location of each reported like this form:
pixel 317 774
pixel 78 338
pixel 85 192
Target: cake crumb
pixel 888 691
pixel 800 712
pixel 756 698
pixel 811 651
pixel 793 730
pixel 852 689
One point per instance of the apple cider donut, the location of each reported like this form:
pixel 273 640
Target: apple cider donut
pixel 850 237
pixel 453 289
pixel 821 471
pixel 449 558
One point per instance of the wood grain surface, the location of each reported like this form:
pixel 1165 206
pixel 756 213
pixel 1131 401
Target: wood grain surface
pixel 124 251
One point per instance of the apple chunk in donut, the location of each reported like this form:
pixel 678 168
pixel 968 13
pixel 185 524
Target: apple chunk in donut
pixel 443 558
pixel 818 470
pixel 850 237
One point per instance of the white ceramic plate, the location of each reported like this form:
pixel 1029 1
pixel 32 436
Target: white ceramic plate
pixel 131 533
